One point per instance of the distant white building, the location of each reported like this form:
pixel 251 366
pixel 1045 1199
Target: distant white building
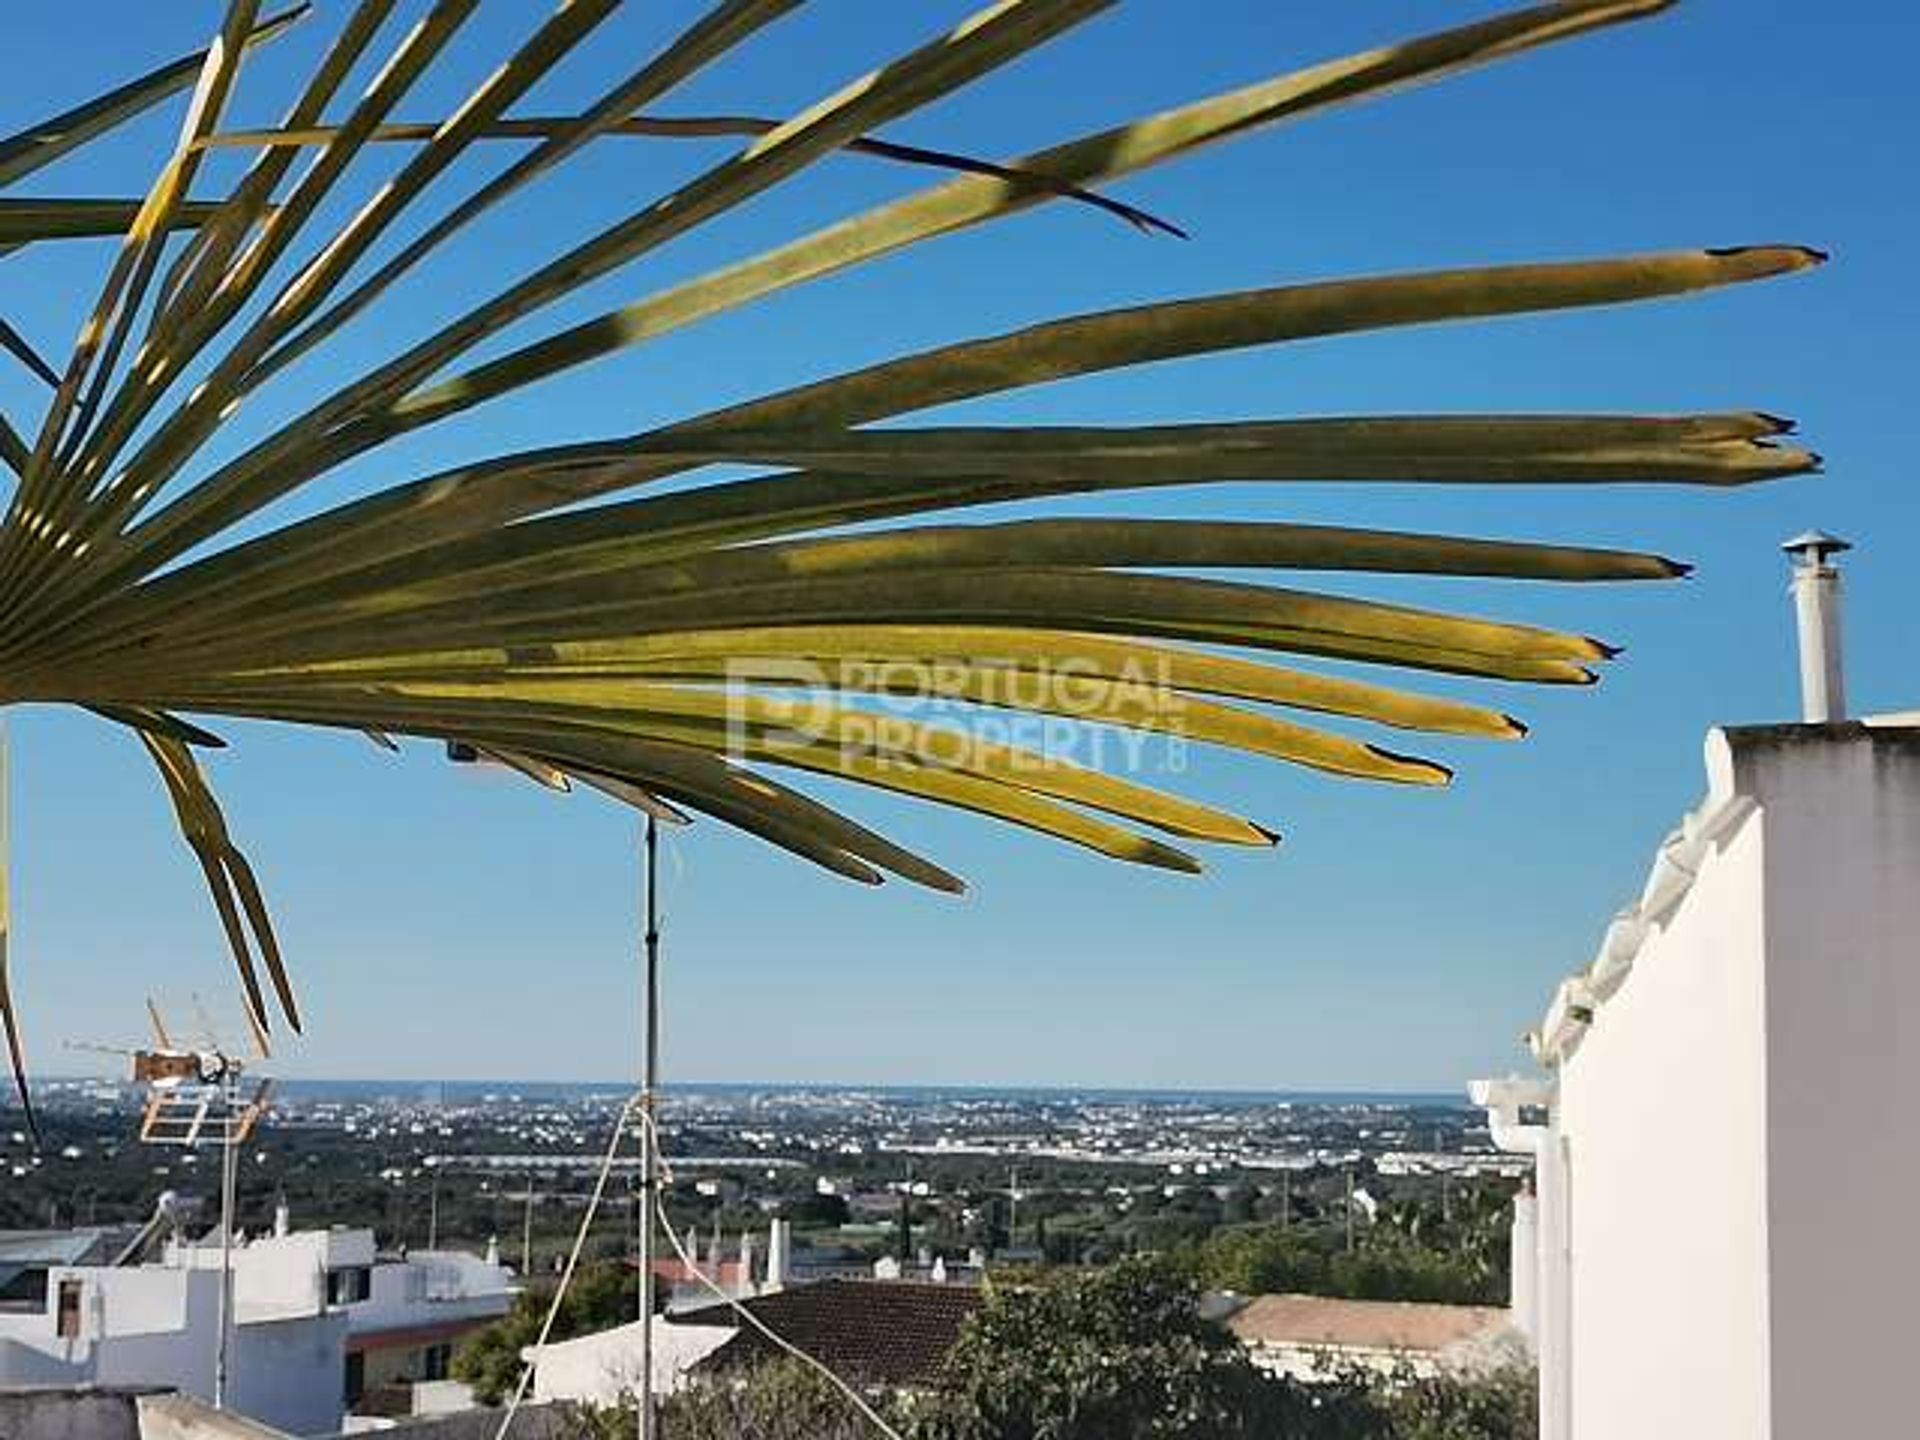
pixel 318 1318
pixel 1721 1245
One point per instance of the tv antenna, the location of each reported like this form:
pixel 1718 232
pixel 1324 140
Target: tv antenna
pixel 195 1098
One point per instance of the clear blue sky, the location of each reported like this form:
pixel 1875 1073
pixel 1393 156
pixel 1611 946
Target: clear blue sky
pixel 452 924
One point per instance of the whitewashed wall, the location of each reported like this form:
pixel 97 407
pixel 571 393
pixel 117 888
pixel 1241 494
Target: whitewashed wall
pixel 1662 1122
pixel 1843 1065
pixel 1736 1123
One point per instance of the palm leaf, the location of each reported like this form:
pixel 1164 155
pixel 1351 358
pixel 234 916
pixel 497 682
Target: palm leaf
pixel 671 648
pixel 38 145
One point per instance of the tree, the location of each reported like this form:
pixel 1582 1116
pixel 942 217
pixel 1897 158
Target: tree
pixel 643 648
pixel 1115 1354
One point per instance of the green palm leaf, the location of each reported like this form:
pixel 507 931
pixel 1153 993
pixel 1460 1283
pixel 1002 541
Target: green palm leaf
pixel 674 649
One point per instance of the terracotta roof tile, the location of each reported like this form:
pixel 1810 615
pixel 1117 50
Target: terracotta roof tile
pixel 890 1332
pixel 1361 1324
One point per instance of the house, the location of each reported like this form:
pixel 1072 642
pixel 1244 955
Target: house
pixel 873 1332
pixel 1720 1247
pixel 416 1309
pixel 317 1318
pixel 869 1332
pixel 1302 1335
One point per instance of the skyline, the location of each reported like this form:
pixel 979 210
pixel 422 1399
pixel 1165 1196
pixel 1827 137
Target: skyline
pixel 403 889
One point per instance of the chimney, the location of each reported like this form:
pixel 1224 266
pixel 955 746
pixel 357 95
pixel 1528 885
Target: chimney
pixel 779 1252
pixel 282 1218
pixel 745 1286
pixel 1816 604
pixel 493 1250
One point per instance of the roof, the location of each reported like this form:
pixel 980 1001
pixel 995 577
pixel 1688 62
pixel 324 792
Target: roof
pixel 891 1332
pixel 23 1251
pixel 62 1247
pixel 1361 1324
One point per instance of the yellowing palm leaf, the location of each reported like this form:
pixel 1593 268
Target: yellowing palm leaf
pixel 672 649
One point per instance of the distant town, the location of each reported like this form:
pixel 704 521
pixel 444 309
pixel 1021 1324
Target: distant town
pixel 1064 1175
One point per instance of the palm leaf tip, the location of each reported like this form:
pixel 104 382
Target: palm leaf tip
pixel 1421 771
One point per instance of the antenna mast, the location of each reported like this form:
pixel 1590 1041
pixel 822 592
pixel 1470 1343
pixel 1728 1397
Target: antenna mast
pixel 649 1111
pixel 194 1095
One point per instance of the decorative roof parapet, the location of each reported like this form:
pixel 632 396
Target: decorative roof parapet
pixel 1676 865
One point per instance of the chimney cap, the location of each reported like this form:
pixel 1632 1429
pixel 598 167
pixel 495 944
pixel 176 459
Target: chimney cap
pixel 1814 546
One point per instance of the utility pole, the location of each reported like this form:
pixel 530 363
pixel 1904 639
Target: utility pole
pixel 229 1185
pixel 1286 1198
pixel 649 1112
pixel 433 1212
pixel 526 1233
pixel 1013 1208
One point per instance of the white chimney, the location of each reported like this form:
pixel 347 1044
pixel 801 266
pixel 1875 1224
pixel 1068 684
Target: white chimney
pixel 493 1249
pixel 746 1263
pixel 282 1219
pixel 779 1253
pixel 1816 604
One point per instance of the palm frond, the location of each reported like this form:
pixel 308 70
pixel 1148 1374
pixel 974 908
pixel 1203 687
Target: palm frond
pixel 672 650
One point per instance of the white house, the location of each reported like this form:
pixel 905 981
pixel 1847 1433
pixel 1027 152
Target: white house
pixel 317 1317
pixel 1720 1246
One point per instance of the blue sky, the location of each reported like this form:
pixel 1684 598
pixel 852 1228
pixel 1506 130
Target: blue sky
pixel 448 923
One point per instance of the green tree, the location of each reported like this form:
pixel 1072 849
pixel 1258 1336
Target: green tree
pixel 1116 1354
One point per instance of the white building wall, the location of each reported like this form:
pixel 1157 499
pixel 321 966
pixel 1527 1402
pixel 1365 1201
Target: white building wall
pixel 432 1287
pixel 1732 1140
pixel 156 1324
pixel 603 1367
pixel 149 1325
pixel 1662 1121
pixel 1843 1061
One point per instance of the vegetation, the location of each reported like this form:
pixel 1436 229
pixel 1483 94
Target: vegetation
pixel 780 1400
pixel 1460 1260
pixel 1117 1354
pixel 639 647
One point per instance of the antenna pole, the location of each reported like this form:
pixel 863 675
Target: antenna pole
pixel 649 1103
pixel 229 1178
